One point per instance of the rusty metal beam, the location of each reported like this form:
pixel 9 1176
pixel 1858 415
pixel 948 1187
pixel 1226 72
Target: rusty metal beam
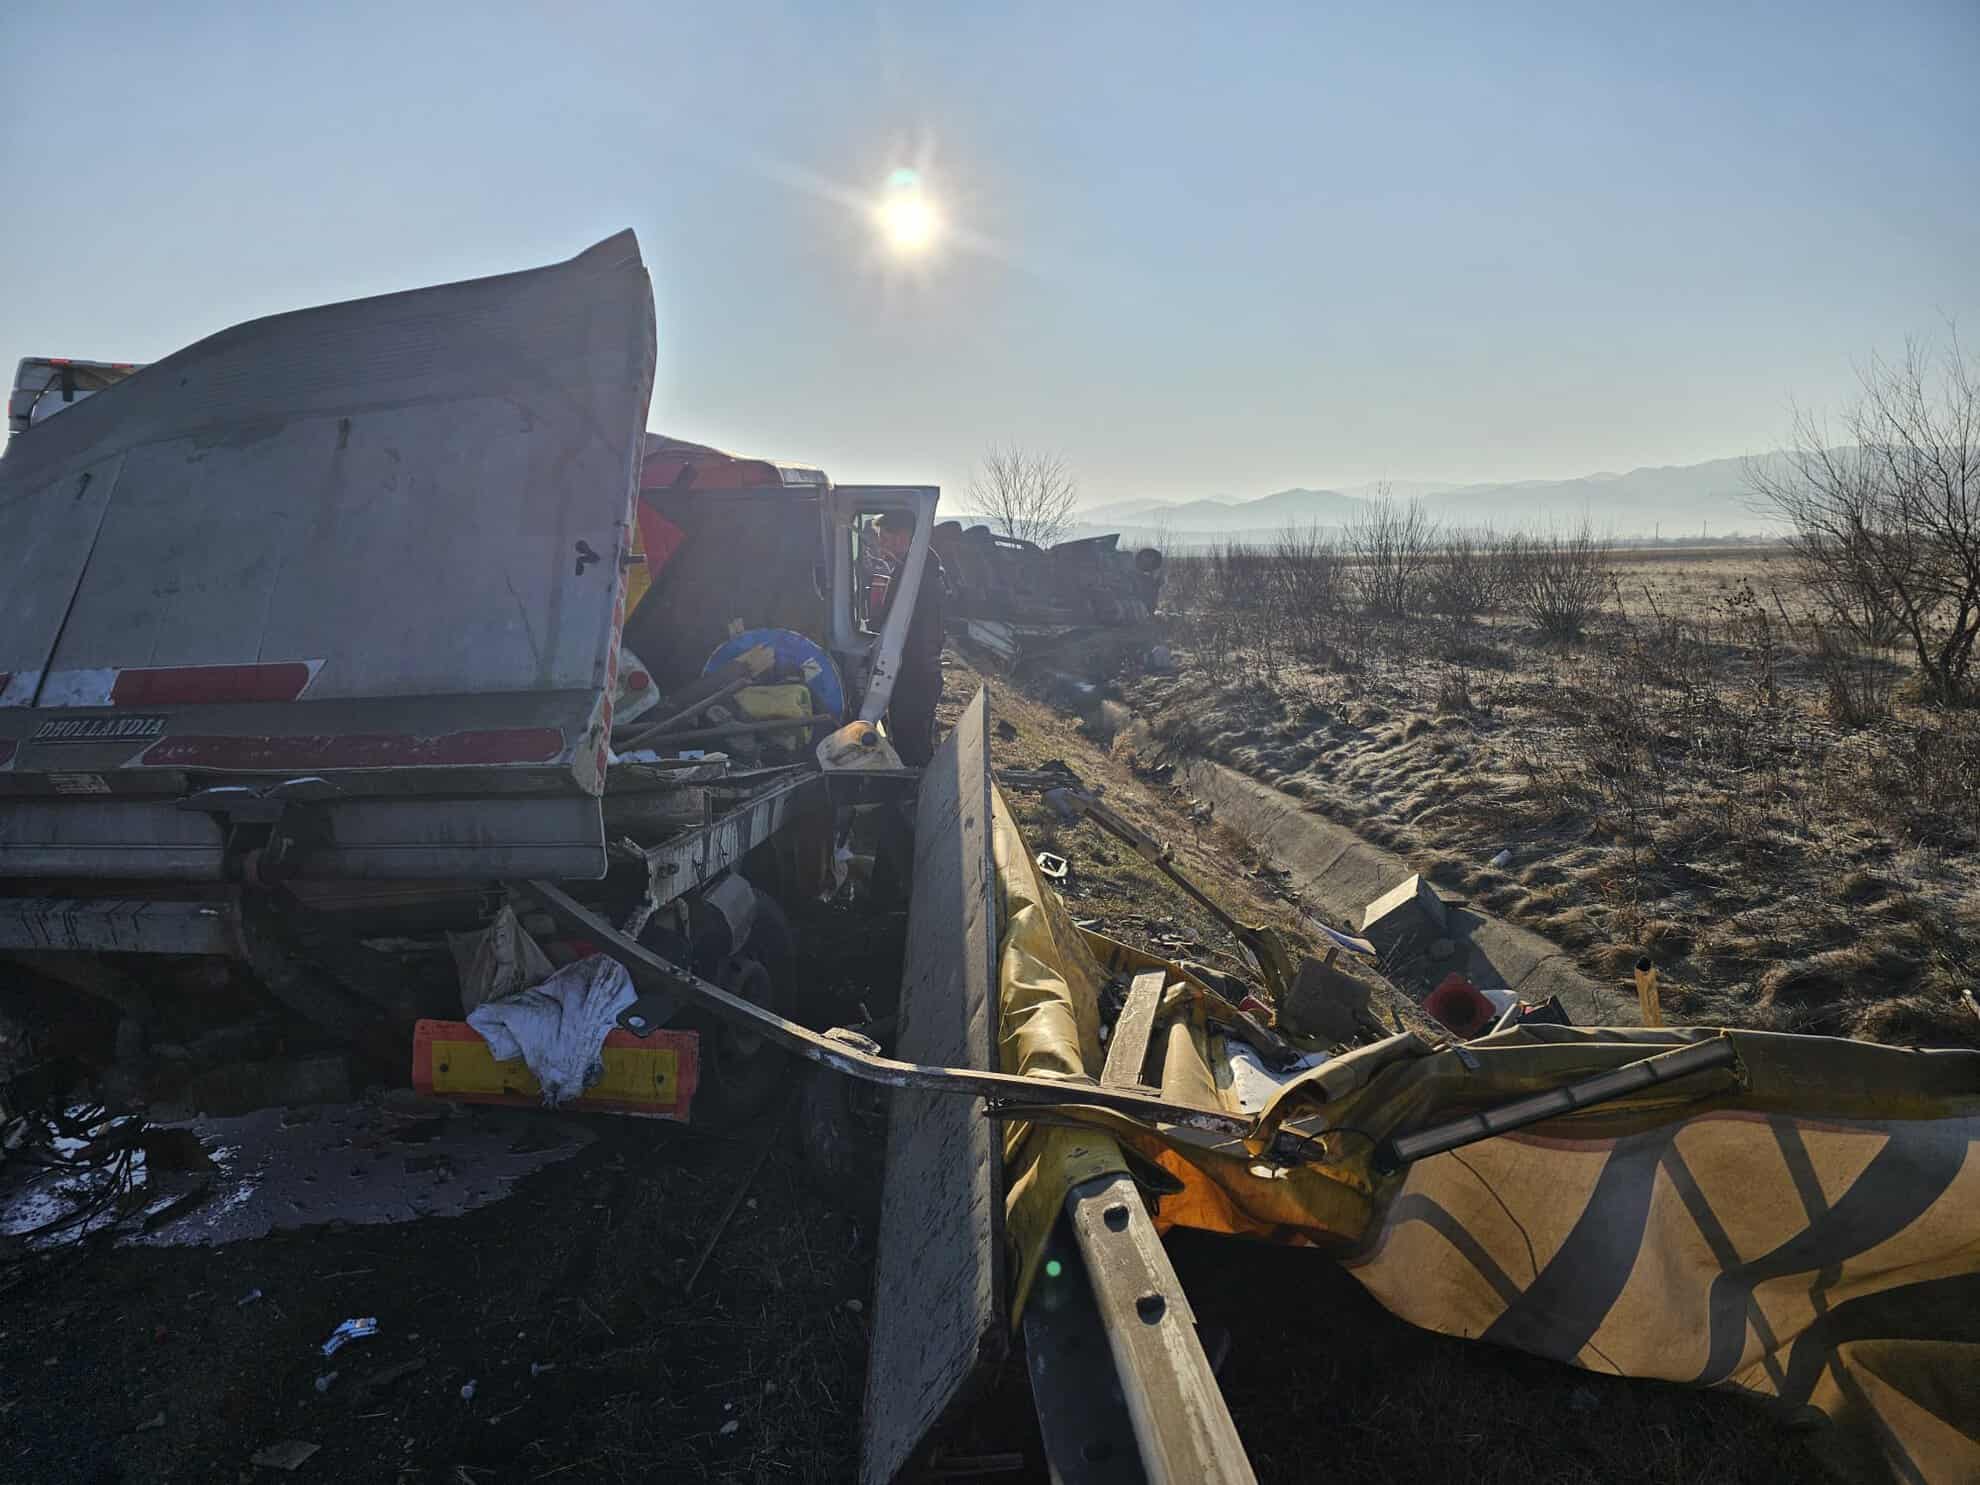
pixel 696 857
pixel 123 925
pixel 1007 1095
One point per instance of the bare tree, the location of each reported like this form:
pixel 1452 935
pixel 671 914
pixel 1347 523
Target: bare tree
pixel 1306 579
pixel 1389 546
pixel 1025 494
pixel 1472 573
pixel 1886 520
pixel 1563 577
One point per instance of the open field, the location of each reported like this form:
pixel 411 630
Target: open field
pixel 1787 835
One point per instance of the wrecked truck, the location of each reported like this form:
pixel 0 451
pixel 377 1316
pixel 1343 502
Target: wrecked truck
pixel 1087 581
pixel 391 612
pixel 341 619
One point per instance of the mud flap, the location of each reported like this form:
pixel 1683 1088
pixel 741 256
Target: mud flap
pixel 940 1325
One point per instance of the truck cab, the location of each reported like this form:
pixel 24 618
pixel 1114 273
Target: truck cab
pixel 723 539
pixel 46 385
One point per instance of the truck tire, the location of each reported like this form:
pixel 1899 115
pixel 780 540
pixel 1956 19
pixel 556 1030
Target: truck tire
pixel 740 1074
pixel 288 966
pixel 842 1130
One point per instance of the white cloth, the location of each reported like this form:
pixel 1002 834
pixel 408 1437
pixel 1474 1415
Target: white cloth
pixel 559 1027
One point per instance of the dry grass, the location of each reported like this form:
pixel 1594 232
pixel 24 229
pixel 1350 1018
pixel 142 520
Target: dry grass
pixel 1682 781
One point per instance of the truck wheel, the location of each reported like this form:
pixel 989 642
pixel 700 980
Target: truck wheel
pixel 311 974
pixel 740 1073
pixel 842 1129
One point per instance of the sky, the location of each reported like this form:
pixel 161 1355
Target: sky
pixel 1215 250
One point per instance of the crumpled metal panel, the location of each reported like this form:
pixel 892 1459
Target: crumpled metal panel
pixel 417 497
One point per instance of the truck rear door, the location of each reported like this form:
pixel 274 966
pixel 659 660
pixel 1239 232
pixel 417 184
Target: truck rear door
pixel 378 542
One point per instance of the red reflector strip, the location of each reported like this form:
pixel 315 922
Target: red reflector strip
pixel 359 750
pixel 168 685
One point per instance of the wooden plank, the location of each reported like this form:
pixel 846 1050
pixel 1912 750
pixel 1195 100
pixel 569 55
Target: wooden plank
pixel 1127 1049
pixel 939 1324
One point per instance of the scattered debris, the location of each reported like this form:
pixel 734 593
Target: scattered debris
pixel 1459 1006
pixel 468 1389
pixel 156 1420
pixel 1054 866
pixel 1408 914
pixel 728 1429
pixel 856 747
pixel 1326 1004
pixel 1647 1002
pixel 237 1087
pixel 770 1135
pixel 253 1296
pixel 357 1329
pixel 328 1380
pixel 290 1454
pixel 1504 858
pixel 383 1378
pixel 497 962
pixel 968 1466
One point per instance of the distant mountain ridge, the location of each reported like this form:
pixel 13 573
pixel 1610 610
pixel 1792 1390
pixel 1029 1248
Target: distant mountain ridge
pixel 1671 500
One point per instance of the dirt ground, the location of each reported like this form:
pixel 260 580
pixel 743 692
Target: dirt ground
pixel 1676 783
pixel 567 1305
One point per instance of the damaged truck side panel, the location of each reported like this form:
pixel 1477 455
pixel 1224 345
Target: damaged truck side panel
pixel 409 513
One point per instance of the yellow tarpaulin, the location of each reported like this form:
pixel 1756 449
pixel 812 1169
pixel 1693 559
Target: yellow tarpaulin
pixel 1803 1226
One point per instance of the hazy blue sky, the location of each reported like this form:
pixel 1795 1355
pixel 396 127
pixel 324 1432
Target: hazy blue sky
pixel 1209 250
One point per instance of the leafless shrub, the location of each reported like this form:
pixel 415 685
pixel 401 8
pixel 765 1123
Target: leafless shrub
pixel 1025 494
pixel 1454 690
pixel 1751 627
pixel 1856 683
pixel 1563 575
pixel 1240 577
pixel 1886 520
pixel 1928 780
pixel 1471 575
pixel 1183 578
pixel 1389 546
pixel 1306 569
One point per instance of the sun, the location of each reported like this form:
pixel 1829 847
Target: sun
pixel 909 221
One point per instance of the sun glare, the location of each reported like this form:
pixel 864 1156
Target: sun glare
pixel 909 222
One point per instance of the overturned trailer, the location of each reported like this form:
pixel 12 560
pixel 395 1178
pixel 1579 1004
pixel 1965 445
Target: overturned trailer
pixel 1090 581
pixel 392 610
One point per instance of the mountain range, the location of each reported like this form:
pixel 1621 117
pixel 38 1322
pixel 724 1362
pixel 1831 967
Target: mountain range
pixel 1669 500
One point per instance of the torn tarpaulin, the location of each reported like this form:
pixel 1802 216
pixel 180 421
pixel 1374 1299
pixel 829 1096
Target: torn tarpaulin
pixel 558 1027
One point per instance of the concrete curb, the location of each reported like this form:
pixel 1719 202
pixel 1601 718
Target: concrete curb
pixel 1337 872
